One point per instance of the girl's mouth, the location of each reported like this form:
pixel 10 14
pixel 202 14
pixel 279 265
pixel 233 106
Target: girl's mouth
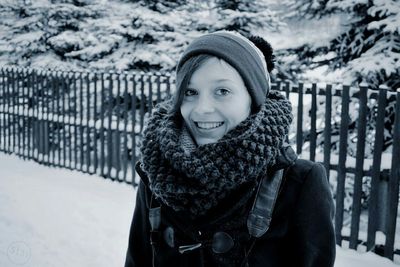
pixel 208 125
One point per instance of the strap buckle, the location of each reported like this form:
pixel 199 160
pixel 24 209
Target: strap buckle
pixel 186 248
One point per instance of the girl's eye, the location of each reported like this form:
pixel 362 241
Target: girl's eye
pixel 223 91
pixel 190 92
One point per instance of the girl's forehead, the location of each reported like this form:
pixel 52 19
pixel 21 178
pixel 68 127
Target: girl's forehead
pixel 215 66
pixel 215 70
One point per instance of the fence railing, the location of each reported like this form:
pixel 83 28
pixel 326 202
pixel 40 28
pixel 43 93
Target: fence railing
pixel 92 122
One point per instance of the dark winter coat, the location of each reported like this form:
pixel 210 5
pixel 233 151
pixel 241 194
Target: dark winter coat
pixel 301 232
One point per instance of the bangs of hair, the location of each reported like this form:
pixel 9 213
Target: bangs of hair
pixel 183 76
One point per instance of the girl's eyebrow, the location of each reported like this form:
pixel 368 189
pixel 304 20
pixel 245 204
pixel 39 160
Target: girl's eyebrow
pixel 223 80
pixel 219 80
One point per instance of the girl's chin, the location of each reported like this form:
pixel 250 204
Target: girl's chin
pixel 208 136
pixel 205 141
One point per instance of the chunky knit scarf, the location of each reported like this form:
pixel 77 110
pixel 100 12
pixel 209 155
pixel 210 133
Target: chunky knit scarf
pixel 196 179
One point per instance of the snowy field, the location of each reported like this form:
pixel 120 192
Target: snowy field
pixel 54 217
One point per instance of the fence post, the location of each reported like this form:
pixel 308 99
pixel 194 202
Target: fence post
pixel 95 116
pixel 150 100
pixel 393 184
pixel 373 211
pixel 313 130
pixel 71 119
pixel 116 134
pixel 359 171
pixel 109 132
pixel 102 139
pixel 125 115
pixel 299 133
pixel 341 176
pixel 327 130
pixel 287 89
pixel 2 110
pixel 133 131
pixel 88 146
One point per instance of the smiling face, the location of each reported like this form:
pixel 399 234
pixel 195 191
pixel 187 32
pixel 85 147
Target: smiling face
pixel 215 101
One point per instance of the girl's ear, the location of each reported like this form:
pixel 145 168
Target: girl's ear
pixel 266 49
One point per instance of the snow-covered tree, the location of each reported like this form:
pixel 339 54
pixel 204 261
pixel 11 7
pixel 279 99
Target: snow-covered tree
pixel 90 35
pixel 367 50
pixel 247 17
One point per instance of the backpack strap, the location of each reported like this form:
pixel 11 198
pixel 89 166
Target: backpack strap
pixel 260 215
pixel 269 187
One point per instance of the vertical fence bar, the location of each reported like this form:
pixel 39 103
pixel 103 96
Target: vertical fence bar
pixel 150 84
pixel 45 118
pixel 58 110
pixel 81 132
pixel 62 121
pixel 53 117
pixel 359 172
pixel 36 114
pixel 373 215
pixel 299 133
pixel 13 109
pixel 109 131
pixel 24 112
pixel 393 184
pixel 88 146
pixel 5 109
pixel 142 103
pixel 313 130
pixel 2 106
pixel 125 115
pixel 287 89
pixel 71 119
pixel 75 120
pixel 158 83
pixel 168 84
pixel 277 86
pixel 30 113
pixel 9 94
pixel 102 139
pixel 39 121
pixel 21 103
pixel 117 143
pixel 341 176
pixel 46 100
pixel 18 116
pixel 45 111
pixel 2 110
pixel 328 129
pixel 95 116
pixel 133 131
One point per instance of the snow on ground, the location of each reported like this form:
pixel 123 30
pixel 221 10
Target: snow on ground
pixel 55 217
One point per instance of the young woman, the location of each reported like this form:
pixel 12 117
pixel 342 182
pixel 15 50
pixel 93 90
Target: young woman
pixel 219 187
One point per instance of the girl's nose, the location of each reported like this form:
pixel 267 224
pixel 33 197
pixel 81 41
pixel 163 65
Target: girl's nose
pixel 204 105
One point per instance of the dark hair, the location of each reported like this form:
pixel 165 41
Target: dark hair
pixel 183 76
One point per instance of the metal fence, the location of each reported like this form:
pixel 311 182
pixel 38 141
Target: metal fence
pixel 92 122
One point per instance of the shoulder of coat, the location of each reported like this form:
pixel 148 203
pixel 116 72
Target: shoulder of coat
pixel 300 170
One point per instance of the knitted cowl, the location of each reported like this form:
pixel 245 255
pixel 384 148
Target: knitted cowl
pixel 195 182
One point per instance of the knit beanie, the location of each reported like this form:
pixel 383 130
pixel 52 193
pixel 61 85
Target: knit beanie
pixel 241 54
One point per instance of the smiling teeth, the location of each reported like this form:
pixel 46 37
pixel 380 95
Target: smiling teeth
pixel 209 125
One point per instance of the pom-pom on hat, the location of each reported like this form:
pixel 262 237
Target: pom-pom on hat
pixel 241 54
